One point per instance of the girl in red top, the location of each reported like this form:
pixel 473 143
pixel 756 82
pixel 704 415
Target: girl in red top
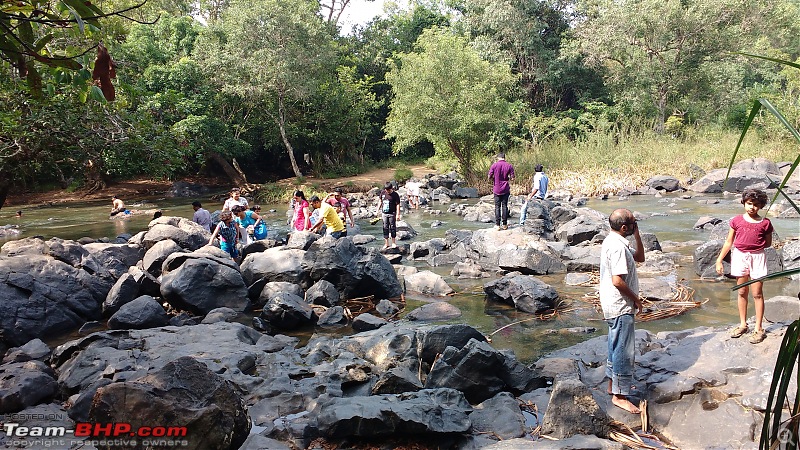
pixel 301 220
pixel 749 235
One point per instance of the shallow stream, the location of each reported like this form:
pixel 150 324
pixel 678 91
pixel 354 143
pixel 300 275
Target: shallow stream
pixel 671 218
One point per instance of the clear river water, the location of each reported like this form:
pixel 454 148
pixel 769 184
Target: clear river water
pixel 671 218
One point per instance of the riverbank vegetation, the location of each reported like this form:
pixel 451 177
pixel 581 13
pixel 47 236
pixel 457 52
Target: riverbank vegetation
pixel 601 93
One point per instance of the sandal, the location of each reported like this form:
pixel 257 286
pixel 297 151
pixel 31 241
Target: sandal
pixel 739 331
pixel 758 336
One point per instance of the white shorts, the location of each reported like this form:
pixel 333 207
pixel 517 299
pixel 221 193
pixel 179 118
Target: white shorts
pixel 744 263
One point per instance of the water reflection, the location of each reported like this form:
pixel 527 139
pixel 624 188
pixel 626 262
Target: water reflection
pixel 671 218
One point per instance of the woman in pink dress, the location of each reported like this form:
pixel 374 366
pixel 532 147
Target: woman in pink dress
pixel 302 215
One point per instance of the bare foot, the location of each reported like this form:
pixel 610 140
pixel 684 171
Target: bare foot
pixel 624 403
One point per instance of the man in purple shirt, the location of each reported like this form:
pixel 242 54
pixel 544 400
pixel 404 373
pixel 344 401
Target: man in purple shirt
pixel 500 174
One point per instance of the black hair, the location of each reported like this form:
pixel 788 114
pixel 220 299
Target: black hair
pixel 757 196
pixel 388 185
pixel 255 208
pixel 314 199
pixel 618 218
pixel 237 209
pixel 501 155
pixel 157 214
pixel 300 194
pixel 338 191
pixel 538 168
pixel 196 203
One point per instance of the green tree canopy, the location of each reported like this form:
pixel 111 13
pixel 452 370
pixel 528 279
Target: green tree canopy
pixel 655 52
pixel 528 35
pixel 273 55
pixel 444 93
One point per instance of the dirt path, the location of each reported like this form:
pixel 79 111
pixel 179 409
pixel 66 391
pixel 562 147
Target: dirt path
pixel 361 182
pixel 132 189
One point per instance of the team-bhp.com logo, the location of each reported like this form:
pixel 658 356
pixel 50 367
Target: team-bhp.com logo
pixel 121 433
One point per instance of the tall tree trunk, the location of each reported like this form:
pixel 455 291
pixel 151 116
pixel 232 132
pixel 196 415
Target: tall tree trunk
pixel 661 106
pixel 27 69
pixel 237 178
pixel 5 186
pixel 464 162
pixel 281 122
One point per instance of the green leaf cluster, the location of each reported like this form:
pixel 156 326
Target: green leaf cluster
pixel 446 94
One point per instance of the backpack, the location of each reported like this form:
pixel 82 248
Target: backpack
pixel 260 230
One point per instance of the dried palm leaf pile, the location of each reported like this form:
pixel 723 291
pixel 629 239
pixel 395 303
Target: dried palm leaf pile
pixel 682 300
pixel 354 307
pixel 561 307
pixel 643 439
pixel 631 439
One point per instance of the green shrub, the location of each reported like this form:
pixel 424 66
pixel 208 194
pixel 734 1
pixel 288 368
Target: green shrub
pixel 403 174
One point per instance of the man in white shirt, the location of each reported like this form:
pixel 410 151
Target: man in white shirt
pixel 619 298
pixel 234 200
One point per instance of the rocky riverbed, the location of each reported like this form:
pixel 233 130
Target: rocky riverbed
pixel 162 344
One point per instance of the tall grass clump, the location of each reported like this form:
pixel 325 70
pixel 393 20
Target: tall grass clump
pixel 605 162
pixel 403 174
pixel 275 193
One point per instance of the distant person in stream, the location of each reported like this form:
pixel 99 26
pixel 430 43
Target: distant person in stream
pixel 301 219
pixel 329 218
pixel 500 174
pixel 117 206
pixel 19 214
pixel 619 298
pixel 201 216
pixel 337 197
pixel 538 191
pixel 390 213
pixel 413 187
pixel 228 231
pixel 234 199
pixel 748 236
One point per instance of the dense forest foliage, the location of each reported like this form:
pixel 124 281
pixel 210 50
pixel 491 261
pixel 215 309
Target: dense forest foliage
pixel 272 88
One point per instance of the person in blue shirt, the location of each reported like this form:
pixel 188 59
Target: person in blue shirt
pixel 538 191
pixel 228 231
pixel 247 220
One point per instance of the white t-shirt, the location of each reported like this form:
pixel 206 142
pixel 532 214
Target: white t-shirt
pixel 230 203
pixel 413 188
pixel 540 181
pixel 616 258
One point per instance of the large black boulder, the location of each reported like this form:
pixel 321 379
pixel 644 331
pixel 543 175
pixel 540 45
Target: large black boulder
pixel 527 293
pixel 143 312
pixel 201 284
pixel 184 393
pixel 287 311
pixel 426 411
pixel 41 296
pixel 355 271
